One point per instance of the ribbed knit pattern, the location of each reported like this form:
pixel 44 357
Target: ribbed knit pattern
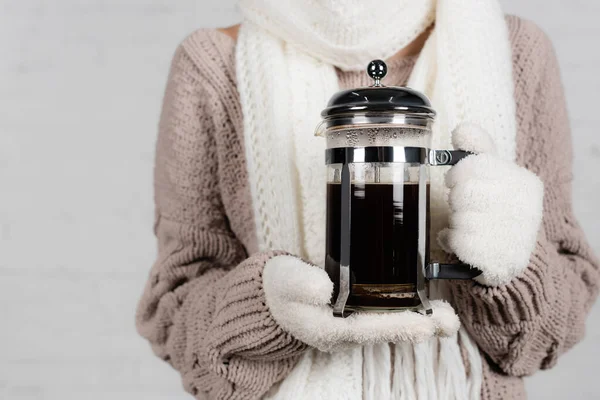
pixel 203 306
pixel 231 338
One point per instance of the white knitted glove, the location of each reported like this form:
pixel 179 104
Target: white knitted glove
pixel 496 209
pixel 298 296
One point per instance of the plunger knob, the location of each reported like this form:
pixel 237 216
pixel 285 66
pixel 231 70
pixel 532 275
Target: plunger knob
pixel 377 70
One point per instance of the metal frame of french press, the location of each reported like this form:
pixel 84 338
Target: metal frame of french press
pixel 403 115
pixel 391 154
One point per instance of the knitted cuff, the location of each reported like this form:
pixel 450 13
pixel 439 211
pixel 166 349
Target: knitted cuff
pixel 498 385
pixel 241 379
pixel 524 316
pixel 242 324
pixel 233 345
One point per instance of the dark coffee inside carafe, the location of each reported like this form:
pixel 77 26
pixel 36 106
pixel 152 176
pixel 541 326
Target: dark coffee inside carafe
pixel 384 243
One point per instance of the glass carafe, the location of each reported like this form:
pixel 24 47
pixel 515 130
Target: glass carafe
pixel 378 156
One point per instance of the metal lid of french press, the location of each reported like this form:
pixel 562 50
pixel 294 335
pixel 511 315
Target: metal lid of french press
pixel 387 104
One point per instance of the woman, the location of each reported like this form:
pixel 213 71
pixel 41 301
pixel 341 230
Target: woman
pixel 229 302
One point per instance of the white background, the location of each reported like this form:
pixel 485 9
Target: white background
pixel 80 90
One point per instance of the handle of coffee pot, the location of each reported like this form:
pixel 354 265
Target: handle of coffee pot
pixel 447 157
pixel 344 283
pixel 451 271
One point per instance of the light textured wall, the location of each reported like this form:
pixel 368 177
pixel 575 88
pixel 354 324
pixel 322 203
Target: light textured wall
pixel 80 89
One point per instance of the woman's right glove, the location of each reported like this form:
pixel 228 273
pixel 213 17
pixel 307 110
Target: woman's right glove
pixel 298 295
pixel 496 209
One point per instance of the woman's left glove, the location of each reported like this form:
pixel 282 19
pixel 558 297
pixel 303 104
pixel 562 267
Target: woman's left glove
pixel 496 209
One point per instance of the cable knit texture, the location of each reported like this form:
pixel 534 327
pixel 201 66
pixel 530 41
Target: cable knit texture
pixel 203 308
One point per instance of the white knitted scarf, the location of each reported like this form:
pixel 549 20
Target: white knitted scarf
pixel 286 57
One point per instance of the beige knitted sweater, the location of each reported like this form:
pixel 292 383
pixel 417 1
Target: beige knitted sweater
pixel 203 309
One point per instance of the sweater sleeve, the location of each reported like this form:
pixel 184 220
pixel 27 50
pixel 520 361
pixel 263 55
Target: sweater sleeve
pixel 527 324
pixel 203 308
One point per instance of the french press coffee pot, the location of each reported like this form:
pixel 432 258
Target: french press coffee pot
pixel 378 155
